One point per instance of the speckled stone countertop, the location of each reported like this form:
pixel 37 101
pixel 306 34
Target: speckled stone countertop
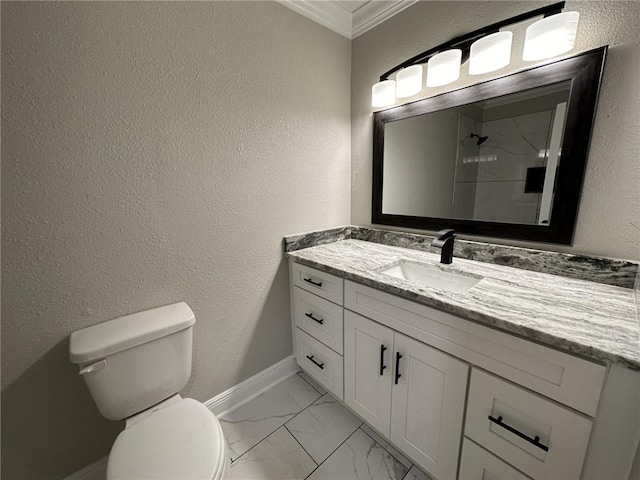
pixel 590 319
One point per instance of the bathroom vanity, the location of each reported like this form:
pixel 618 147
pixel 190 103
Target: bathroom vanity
pixel 473 370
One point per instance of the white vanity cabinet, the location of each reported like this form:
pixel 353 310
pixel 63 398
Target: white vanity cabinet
pixel 410 392
pixel 460 399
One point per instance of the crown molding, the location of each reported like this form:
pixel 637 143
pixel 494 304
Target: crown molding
pixel 333 16
pixel 374 13
pixel 327 14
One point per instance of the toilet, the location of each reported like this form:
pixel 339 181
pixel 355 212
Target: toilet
pixel 134 367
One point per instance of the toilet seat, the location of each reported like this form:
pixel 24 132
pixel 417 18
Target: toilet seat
pixel 181 441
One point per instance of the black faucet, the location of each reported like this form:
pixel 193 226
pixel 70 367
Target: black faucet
pixel 444 241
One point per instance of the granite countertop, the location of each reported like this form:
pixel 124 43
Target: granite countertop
pixel 590 319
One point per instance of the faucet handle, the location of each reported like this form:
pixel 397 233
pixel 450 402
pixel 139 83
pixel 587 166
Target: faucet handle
pixel 444 234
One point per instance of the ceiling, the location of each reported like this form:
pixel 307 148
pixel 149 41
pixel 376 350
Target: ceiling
pixel 349 18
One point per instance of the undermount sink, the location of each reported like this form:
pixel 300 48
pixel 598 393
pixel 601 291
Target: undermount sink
pixel 431 276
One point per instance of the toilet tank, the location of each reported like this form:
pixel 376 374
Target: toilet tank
pixel 133 362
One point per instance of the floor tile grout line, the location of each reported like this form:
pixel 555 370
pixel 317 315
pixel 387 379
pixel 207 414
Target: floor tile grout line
pixel 429 477
pixel 359 428
pixel 274 431
pixel 312 403
pixel 308 382
pixel 336 449
pixel 253 446
pixel 318 465
pixel 302 446
pixel 262 440
pixel 294 436
pixel 305 478
pixel 385 449
pixel 406 474
pixel 267 436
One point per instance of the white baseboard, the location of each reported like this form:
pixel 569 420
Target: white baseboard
pixel 252 387
pixel 219 405
pixel 95 471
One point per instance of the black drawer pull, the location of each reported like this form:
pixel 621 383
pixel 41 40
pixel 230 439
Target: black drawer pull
pixel 382 365
pixel 319 320
pixel 398 357
pixel 317 284
pixel 535 441
pixel 319 365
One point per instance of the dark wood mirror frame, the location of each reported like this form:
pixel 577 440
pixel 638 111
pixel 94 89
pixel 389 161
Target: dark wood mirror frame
pixel 584 71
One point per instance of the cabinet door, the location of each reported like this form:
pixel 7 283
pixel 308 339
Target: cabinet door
pixel 368 349
pixel 428 406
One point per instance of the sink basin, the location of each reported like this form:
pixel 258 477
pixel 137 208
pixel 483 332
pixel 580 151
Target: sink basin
pixel 431 276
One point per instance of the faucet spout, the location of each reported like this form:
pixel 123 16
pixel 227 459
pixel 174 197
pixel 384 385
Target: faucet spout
pixel 444 241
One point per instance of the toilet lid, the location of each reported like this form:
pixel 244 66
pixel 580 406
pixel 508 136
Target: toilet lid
pixel 181 441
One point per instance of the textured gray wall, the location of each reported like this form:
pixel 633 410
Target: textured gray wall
pixel 608 221
pixel 155 152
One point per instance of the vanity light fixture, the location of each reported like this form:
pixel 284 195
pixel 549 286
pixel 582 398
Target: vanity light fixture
pixel 489 49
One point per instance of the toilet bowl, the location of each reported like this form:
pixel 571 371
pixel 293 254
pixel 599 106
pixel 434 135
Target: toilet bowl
pixel 134 367
pixel 181 440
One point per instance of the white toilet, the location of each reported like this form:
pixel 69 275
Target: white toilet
pixel 134 367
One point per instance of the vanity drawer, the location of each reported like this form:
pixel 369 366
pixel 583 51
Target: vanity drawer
pixel 500 415
pixel 319 318
pixel 319 361
pixel 315 281
pixel 478 464
pixel 563 377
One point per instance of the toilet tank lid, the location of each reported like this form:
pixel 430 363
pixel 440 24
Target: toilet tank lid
pixel 98 341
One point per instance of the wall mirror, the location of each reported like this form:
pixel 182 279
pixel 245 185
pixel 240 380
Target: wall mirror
pixel 503 158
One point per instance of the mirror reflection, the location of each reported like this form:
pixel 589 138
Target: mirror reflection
pixel 495 160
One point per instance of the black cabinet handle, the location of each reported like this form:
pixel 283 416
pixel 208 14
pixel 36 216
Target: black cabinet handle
pixel 398 357
pixel 319 320
pixel 319 365
pixel 317 284
pixel 382 365
pixel 535 441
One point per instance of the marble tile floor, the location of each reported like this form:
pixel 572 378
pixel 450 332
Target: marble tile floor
pixel 297 431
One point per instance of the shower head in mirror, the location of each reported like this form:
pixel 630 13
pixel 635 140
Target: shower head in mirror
pixel 481 139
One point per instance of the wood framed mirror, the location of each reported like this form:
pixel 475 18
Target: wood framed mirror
pixel 503 158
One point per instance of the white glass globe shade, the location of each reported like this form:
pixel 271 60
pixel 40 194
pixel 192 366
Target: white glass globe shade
pixel 409 81
pixel 444 68
pixel 383 93
pixel 490 53
pixel 550 36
